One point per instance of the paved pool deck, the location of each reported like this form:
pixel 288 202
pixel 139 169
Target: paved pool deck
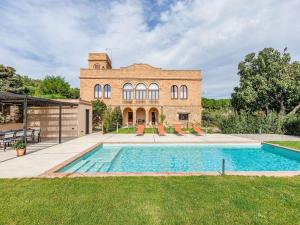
pixel 37 163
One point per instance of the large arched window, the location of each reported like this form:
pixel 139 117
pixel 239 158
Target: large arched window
pixel 127 91
pixel 174 92
pixel 140 91
pixel 97 91
pixel 107 91
pixel 183 92
pixel 97 66
pixel 153 92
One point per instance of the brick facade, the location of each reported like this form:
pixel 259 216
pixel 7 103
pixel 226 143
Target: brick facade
pixel 138 105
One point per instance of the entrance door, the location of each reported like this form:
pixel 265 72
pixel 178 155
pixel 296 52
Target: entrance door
pixel 153 117
pixel 87 121
pixel 130 117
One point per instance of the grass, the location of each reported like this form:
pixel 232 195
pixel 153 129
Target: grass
pixel 169 130
pixel 132 130
pixel 151 200
pixel 289 144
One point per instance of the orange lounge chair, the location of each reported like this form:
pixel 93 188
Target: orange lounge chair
pixel 178 130
pixel 161 130
pixel 199 131
pixel 140 130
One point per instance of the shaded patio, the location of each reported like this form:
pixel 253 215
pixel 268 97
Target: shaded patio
pixel 7 98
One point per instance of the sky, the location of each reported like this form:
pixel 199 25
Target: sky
pixel 54 37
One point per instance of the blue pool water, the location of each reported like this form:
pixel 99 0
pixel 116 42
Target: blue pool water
pixel 184 158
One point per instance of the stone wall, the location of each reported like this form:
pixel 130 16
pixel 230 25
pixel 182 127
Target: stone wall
pixel 146 74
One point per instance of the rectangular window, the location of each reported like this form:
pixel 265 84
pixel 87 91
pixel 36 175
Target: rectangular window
pixel 183 116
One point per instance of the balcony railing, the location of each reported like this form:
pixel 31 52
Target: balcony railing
pixel 140 101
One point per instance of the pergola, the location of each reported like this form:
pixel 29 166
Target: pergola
pixel 27 101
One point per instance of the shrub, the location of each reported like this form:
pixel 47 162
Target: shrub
pixel 99 108
pixel 117 117
pixel 111 118
pixel 292 125
pixel 107 120
pixel 162 118
pixel 246 123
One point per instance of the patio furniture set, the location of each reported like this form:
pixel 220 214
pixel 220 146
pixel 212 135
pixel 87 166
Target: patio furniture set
pixel 9 137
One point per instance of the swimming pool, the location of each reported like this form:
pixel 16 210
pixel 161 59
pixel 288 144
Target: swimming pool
pixel 109 158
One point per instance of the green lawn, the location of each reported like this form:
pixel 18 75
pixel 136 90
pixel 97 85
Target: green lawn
pixel 289 144
pixel 151 200
pixel 132 130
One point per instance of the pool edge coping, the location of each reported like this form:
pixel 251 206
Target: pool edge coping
pixel 52 173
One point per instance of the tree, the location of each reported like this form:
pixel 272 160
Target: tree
pixel 10 81
pixel 269 81
pixel 208 103
pixel 55 86
pixel 99 108
pixel 117 117
pixel 74 93
pixel 50 87
pixel 107 120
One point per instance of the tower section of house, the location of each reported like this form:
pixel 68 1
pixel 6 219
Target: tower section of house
pixel 143 92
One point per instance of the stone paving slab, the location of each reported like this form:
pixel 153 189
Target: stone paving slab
pixel 269 137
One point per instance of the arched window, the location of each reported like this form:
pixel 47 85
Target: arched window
pixel 107 91
pixel 97 91
pixel 183 92
pixel 153 92
pixel 127 91
pixel 174 92
pixel 140 91
pixel 97 66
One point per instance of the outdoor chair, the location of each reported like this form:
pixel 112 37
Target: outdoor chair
pixel 30 135
pixel 36 135
pixel 19 135
pixel 198 131
pixel 178 130
pixel 140 130
pixel 161 130
pixel 7 139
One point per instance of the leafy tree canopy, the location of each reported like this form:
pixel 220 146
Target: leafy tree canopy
pixel 208 103
pixel 269 81
pixel 10 81
pixel 50 87
pixel 56 86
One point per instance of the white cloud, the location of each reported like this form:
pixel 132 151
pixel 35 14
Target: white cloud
pixel 54 37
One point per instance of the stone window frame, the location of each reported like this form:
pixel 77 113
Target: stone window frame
pixel 183 116
pixel 140 94
pixel 153 91
pixel 183 92
pixel 97 66
pixel 107 91
pixel 98 92
pixel 174 92
pixel 128 92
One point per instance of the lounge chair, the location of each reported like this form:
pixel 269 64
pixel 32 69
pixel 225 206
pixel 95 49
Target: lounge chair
pixel 178 130
pixel 140 130
pixel 198 131
pixel 161 130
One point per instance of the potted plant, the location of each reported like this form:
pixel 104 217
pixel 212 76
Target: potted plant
pixel 20 148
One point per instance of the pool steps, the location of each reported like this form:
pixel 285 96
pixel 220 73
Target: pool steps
pixel 101 164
